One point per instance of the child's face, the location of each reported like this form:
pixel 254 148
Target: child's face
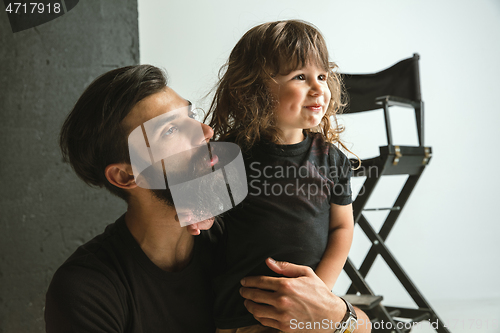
pixel 303 98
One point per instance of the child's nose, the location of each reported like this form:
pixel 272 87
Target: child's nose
pixel 316 89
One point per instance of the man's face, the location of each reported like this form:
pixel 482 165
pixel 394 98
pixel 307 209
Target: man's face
pixel 168 123
pixel 162 129
pixel 171 156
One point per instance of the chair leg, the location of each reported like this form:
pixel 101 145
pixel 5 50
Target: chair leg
pixel 387 226
pixel 379 313
pixel 366 191
pixel 399 272
pixel 357 279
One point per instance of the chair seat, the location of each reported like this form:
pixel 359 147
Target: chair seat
pixel 364 302
pixel 394 160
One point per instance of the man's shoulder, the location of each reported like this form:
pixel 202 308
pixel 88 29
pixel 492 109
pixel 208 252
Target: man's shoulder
pixel 87 285
pixel 92 261
pixel 99 247
pixel 82 274
pixel 84 296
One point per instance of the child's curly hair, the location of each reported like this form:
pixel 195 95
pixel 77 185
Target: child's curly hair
pixel 242 110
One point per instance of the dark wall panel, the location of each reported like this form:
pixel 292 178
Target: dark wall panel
pixel 45 210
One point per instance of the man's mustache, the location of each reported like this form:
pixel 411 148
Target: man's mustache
pixel 176 169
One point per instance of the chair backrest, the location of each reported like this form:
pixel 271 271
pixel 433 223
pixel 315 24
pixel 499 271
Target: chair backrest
pixel 396 85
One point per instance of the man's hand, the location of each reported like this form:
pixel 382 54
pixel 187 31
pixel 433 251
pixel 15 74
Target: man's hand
pixel 299 297
pixel 194 229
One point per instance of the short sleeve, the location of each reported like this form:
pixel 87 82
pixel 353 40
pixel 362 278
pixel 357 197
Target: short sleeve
pixel 340 174
pixel 80 299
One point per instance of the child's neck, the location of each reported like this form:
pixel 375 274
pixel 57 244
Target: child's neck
pixel 292 137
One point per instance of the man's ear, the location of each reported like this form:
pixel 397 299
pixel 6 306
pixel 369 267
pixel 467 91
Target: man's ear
pixel 120 175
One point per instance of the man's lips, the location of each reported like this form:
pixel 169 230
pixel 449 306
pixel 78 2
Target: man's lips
pixel 214 160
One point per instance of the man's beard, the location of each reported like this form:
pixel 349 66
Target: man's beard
pixel 155 176
pixel 165 196
pixel 200 188
pixel 204 191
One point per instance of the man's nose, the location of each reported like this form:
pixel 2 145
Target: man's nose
pixel 208 133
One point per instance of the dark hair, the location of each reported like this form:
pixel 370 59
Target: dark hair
pixel 243 108
pixel 93 136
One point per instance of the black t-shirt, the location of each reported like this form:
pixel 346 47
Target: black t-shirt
pixel 110 285
pixel 285 216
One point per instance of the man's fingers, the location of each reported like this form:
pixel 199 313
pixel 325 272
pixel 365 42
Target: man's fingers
pixel 270 323
pixel 205 225
pixel 268 315
pixel 257 295
pixel 260 310
pixel 262 282
pixel 275 283
pixel 288 269
pixel 193 229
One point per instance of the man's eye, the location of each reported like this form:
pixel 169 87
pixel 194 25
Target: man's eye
pixel 170 131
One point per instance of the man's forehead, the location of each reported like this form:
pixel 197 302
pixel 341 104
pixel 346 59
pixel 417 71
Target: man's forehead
pixel 153 106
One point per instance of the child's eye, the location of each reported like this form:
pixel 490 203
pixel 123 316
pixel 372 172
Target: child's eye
pixel 170 131
pixel 322 77
pixel 300 77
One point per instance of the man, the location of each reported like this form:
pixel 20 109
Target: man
pixel 146 273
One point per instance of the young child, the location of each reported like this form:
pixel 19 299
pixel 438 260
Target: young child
pixel 277 100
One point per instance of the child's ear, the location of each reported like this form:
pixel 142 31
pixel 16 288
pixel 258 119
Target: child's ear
pixel 120 175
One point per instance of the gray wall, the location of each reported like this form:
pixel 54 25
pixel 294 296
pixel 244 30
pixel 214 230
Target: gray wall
pixel 46 212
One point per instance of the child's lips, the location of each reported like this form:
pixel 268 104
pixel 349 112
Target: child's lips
pixel 315 107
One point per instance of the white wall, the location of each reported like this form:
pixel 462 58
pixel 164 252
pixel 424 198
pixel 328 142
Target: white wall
pixel 447 236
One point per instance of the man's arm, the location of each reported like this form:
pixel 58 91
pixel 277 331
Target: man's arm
pixel 300 297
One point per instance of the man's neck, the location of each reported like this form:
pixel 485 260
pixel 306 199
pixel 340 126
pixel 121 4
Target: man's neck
pixel 160 236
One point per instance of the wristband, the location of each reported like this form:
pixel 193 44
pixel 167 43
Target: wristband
pixel 350 320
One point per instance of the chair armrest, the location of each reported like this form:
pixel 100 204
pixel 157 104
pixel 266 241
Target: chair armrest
pixel 396 101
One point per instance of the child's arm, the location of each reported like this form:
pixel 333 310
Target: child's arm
pixel 339 243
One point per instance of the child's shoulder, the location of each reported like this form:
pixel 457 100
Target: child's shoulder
pixel 318 139
pixel 336 155
pixel 318 142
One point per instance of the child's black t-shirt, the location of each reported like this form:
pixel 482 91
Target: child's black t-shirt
pixel 285 216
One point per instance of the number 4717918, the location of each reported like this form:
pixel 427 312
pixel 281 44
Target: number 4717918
pixel 33 8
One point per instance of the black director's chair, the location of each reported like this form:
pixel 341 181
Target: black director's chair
pixel 398 85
